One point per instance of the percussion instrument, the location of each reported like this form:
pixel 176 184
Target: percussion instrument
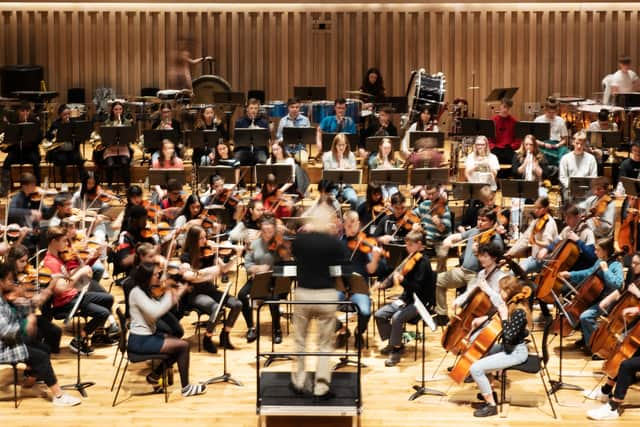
pixel 144 99
pixel 77 110
pixel 425 89
pixel 205 86
pixel 305 109
pixel 321 109
pixel 168 94
pixel 583 102
pixel 354 106
pixel 35 95
pixel 358 93
pixel 569 99
pixel 595 108
pixel 278 109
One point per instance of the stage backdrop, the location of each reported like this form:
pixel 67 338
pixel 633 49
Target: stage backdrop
pixel 560 48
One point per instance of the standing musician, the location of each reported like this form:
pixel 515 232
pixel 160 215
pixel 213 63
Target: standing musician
pixel 425 123
pixel 416 277
pixel 261 257
pixel 395 225
pixel 338 123
pixel 373 84
pixel 577 163
pixel 539 234
pixel 373 208
pixel 556 147
pixel 205 266
pixel 609 270
pixel 18 328
pixel 148 301
pixel 251 120
pixel 511 301
pixel 435 220
pixel 27 154
pixel 505 143
pixel 601 209
pixel 458 277
pixel 67 153
pixel 364 258
pixel 297 120
pixel 623 80
pixel 117 157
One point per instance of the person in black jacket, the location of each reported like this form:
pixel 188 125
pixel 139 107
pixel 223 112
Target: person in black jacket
pixel 417 278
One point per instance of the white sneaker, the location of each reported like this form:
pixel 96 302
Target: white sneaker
pixel 604 412
pixel 66 400
pixel 596 394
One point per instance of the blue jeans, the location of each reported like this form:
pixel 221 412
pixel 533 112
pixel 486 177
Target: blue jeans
pixel 348 194
pixel 364 309
pixel 589 321
pixel 496 359
pixel 531 265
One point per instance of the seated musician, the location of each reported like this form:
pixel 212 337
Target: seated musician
pixel 23 211
pixel 204 268
pixel 540 233
pixel 166 121
pixel 96 305
pixel 505 143
pixel 279 156
pixel 416 278
pixel 67 153
pixel 222 155
pixel 486 198
pixel 482 165
pixel 26 154
pixel 134 198
pixel 425 123
pixel 341 157
pixel 132 233
pixel 218 195
pixel 601 209
pixel 435 220
pixel 170 200
pixel 148 301
pixel 18 341
pixel 425 154
pixel 247 229
pixel 458 277
pixel 117 157
pixel 167 157
pixel 63 209
pixel 338 123
pixel 297 120
pixel 373 208
pixel 207 120
pixel 365 263
pixel 576 164
pixel 385 159
pixel 511 300
pixel 556 146
pixel 88 197
pixel 261 257
pixel 273 198
pixel 391 227
pixel 251 120
pixel 609 270
pixel 383 126
pixel 630 168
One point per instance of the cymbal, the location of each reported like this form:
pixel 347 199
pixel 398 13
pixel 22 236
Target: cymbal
pixel 145 99
pixel 357 92
pixel 568 99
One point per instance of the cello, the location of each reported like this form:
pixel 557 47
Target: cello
pixel 564 255
pixel 625 350
pixel 478 348
pixel 627 237
pixel 605 337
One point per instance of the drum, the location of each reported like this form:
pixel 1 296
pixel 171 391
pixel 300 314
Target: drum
pixel 305 109
pixel 595 108
pixel 77 110
pixel 205 86
pixel 425 89
pixel 278 109
pixel 321 109
pixel 354 106
pixel 168 94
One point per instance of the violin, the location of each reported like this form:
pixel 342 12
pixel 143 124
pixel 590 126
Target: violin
pixel 538 227
pixel 408 219
pixel 601 205
pixel 148 231
pixel 403 268
pixel 226 197
pixel 360 242
pixel 281 246
pixel 438 206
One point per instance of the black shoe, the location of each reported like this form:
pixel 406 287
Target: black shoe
pixel 481 397
pixel 468 379
pixel 580 343
pixel 441 320
pixel 389 348
pixel 83 348
pixel 394 358
pixel 449 368
pixel 252 335
pixel 486 411
pixel 341 339
pixel 153 378
pixel 208 344
pixel 225 341
pixel 359 341
pixel 277 336
pixel 102 339
pixel 596 357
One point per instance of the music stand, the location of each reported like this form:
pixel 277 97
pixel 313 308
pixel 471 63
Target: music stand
pixel 227 173
pixel 294 223
pixel 580 187
pixel 76 132
pixel 205 139
pixel 475 127
pixel 498 94
pixel 394 176
pixel 252 138
pixel 343 176
pixel 559 384
pixel 425 317
pixel 220 212
pixel 397 252
pixel 305 136
pixel 604 138
pixel 162 176
pixel 540 130
pixel 467 190
pixel 153 138
pixel 631 186
pixel 282 173
pixel 627 100
pixel 22 134
pixel 351 283
pixel 228 98
pixel 437 136
pixel 310 93
pixel 519 189
pixel 327 140
pixel 436 176
pixel 373 142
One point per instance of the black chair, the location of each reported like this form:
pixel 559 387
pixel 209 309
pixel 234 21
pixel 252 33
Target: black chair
pixel 199 324
pixel 14 365
pixel 136 358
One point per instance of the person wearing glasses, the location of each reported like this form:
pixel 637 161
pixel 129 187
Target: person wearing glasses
pixel 482 165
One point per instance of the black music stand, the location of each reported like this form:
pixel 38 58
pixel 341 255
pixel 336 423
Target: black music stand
pixel 79 385
pixel 373 142
pixel 153 139
pixel 560 313
pixel 498 94
pixel 221 212
pixel 540 130
pixel 580 187
pixel 252 138
pixel 282 173
pixel 604 138
pixel 397 252
pixel 162 176
pixel 310 93
pixel 436 176
pixel 117 135
pixel 467 191
pixel 627 100
pixel 226 376
pixel 76 132
pixel 342 176
pixel 294 223
pixel 425 317
pixel 351 283
pixel 227 173
pixel 327 140
pixel 475 127
pixel 394 176
pixel 205 139
pixel 436 137
pixel 631 186
pixel 22 134
pixel 519 188
pixel 305 136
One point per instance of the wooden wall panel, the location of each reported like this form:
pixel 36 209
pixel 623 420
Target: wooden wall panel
pixel 543 51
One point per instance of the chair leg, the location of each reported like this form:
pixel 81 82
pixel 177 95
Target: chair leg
pixel 503 389
pixel 198 333
pixel 115 377
pixel 164 382
pixel 15 385
pixel 115 398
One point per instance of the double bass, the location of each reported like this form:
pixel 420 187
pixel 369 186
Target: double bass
pixel 605 337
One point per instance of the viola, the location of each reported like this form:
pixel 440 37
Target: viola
pixel 601 205
pixel 404 268
pixel 41 194
pixel 148 231
pixel 152 209
pixel 605 337
pixel 360 242
pixel 281 246
pixel 226 197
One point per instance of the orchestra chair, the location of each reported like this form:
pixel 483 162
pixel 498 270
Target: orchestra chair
pixel 135 358
pixel 199 324
pixel 14 365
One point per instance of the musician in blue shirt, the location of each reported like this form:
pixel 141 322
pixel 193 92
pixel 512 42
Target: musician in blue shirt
pixel 338 123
